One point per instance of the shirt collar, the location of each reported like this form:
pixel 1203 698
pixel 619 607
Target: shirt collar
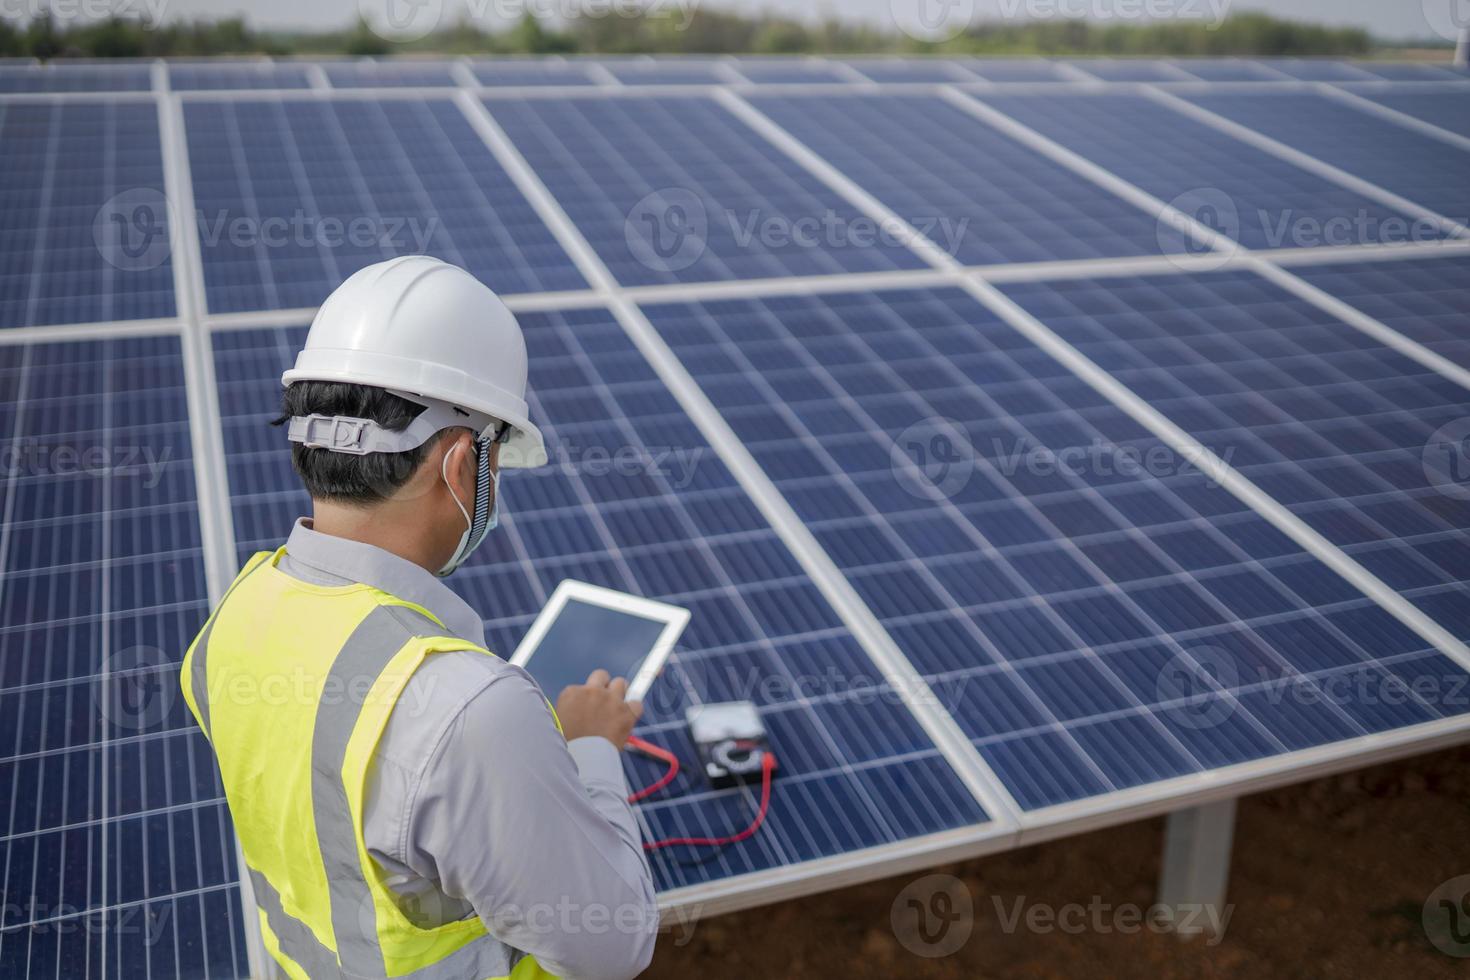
pixel 356 561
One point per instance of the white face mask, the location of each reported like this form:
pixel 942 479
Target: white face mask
pixel 486 505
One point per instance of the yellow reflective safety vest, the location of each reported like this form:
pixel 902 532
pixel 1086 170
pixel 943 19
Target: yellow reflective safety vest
pixel 293 684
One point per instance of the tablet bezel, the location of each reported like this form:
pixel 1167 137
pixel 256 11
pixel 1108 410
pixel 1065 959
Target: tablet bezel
pixel 673 617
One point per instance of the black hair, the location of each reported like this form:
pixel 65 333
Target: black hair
pixel 343 477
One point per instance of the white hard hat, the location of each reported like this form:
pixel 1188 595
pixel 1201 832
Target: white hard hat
pixel 423 327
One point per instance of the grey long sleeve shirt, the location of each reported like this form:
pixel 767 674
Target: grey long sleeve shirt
pixel 476 804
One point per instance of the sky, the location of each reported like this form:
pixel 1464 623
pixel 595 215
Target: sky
pixel 1388 19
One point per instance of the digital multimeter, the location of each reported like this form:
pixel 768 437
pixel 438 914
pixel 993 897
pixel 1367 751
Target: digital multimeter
pixel 731 740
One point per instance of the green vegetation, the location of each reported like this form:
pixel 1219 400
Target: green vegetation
pixel 702 31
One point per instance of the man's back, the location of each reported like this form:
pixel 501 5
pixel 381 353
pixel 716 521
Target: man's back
pixel 479 826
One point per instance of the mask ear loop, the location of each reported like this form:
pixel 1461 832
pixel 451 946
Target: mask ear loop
pixel 444 475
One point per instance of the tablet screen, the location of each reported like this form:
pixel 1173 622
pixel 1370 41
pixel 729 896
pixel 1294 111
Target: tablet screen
pixel 584 637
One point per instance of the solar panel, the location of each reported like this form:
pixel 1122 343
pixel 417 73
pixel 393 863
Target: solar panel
pixel 1424 299
pixel 1447 110
pixel 1409 71
pixel 55 77
pixel 984 197
pixel 1318 69
pixel 1129 70
pixel 1227 70
pixel 390 74
pixel 295 195
pixel 910 70
pixel 1330 422
pixel 1080 604
pixel 247 75
pixel 1420 168
pixel 787 71
pixel 517 72
pixel 1109 628
pixel 679 190
pixel 667 520
pixel 116 853
pixel 1014 70
pixel 86 233
pixel 666 72
pixel 1252 196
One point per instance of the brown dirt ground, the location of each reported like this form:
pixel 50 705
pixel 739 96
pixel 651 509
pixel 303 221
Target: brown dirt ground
pixel 1328 880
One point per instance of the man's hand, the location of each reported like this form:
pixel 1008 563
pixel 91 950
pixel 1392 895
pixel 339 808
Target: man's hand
pixel 597 708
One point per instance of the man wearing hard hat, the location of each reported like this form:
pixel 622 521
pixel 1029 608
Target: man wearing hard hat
pixel 408 804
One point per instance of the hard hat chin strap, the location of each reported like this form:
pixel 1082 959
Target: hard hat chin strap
pixel 486 504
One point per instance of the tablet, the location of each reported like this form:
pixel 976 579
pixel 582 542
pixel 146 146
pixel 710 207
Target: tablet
pixel 585 627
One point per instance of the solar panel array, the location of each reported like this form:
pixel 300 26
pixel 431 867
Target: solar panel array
pixel 892 370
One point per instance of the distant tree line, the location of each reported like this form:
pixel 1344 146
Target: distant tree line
pixel 701 31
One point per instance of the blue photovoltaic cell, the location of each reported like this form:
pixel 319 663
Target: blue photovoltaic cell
pixel 391 74
pixel 76 78
pixel 1128 70
pixel 76 172
pixel 667 72
pixel 1227 70
pixel 1064 604
pixel 1426 300
pixel 203 77
pixel 1015 70
pixel 295 195
pixel 678 190
pixel 525 72
pixel 981 195
pixel 635 499
pixel 1336 426
pixel 1409 72
pixel 1318 70
pixel 916 70
pixel 116 853
pixel 1447 110
pixel 1421 168
pixel 789 71
pixel 1257 198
